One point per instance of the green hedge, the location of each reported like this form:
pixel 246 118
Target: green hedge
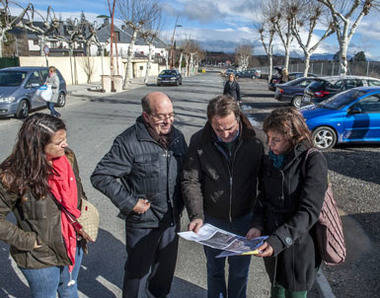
pixel 9 61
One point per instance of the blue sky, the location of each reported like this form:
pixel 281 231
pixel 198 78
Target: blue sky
pixel 220 24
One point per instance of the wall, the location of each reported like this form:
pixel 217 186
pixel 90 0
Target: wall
pixel 73 69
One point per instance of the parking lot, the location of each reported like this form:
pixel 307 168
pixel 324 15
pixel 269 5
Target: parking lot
pixel 93 122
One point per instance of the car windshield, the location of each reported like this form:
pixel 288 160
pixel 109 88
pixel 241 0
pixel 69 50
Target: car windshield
pixel 294 82
pixel 168 72
pixel 11 78
pixel 341 99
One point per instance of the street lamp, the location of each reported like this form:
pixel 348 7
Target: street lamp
pixel 172 44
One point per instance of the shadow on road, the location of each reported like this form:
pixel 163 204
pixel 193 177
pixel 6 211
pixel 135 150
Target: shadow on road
pixel 183 288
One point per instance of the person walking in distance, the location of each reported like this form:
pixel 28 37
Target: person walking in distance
pixel 140 174
pixel 219 183
pixel 232 88
pixel 53 81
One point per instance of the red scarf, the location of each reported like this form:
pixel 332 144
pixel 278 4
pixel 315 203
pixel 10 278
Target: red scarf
pixel 64 188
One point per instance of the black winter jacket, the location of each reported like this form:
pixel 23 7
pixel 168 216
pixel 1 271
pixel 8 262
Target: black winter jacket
pixel 232 89
pixel 287 209
pixel 213 186
pixel 138 167
pixel 36 219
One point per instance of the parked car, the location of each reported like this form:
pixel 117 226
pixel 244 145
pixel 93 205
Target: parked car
pixel 350 116
pixel 249 73
pixel 277 78
pixel 325 87
pixel 292 91
pixel 169 77
pixel 18 86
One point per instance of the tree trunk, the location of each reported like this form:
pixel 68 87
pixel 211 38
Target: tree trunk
pixel 307 64
pixel 187 65
pixel 343 57
pixel 286 64
pixel 270 57
pixel 192 63
pixel 1 45
pixel 180 62
pixel 128 69
pixel 148 63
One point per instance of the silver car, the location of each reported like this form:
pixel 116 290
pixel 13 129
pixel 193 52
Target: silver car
pixel 18 86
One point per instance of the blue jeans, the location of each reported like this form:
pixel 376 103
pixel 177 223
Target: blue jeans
pixel 238 265
pixel 53 112
pixel 46 282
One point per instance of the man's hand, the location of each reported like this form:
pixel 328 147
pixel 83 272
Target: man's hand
pixel 141 206
pixel 265 250
pixel 253 233
pixel 36 245
pixel 85 236
pixel 195 225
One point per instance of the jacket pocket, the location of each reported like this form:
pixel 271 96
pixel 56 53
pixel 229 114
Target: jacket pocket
pixel 147 165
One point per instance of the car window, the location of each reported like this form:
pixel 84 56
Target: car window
pixel 369 104
pixel 349 84
pixel 44 74
pixel 341 99
pixel 339 84
pixel 305 83
pixel 11 78
pixel 359 83
pixel 168 72
pixel 317 85
pixel 34 78
pixel 373 83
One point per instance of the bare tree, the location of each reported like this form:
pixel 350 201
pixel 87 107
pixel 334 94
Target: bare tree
pixel 346 18
pixel 305 15
pixel 267 30
pixel 190 48
pixel 88 67
pixel 282 24
pixel 136 14
pixel 150 34
pixel 242 55
pixel 7 22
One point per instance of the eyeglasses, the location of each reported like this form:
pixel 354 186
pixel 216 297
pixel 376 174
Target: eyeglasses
pixel 162 117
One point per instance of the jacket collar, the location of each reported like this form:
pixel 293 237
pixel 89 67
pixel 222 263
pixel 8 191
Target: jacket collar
pixel 142 133
pixel 296 153
pixel 208 134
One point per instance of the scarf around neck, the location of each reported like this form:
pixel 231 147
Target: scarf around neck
pixel 64 188
pixel 278 160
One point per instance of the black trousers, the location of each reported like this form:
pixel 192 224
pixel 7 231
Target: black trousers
pixel 151 260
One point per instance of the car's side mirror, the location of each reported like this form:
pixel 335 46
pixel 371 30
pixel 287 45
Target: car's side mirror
pixel 355 110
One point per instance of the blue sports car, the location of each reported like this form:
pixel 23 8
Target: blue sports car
pixel 349 116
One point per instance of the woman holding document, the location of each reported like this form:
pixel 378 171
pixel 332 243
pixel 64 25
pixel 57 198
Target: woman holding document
pixel 289 204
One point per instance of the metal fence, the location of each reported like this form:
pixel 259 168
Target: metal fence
pixel 330 68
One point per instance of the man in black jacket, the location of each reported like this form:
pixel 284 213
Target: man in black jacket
pixel 219 185
pixel 140 174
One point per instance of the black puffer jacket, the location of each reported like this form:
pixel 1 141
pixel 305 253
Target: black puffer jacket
pixel 287 209
pixel 214 186
pixel 36 219
pixel 232 89
pixel 138 167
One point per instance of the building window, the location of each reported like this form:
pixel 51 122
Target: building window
pixel 35 42
pixel 141 67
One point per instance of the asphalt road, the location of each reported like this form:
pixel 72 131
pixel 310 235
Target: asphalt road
pixel 93 122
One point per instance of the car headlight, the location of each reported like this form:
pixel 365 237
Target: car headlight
pixel 173 78
pixel 8 99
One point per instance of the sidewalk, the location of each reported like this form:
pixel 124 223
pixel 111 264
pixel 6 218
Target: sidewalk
pixel 92 88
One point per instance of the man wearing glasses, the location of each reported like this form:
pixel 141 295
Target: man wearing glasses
pixel 140 174
pixel 219 183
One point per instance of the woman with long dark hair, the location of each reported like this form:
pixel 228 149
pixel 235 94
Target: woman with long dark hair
pixel 290 201
pixel 39 177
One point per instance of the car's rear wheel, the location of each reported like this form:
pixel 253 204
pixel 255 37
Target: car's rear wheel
pixel 61 100
pixel 324 137
pixel 297 101
pixel 22 109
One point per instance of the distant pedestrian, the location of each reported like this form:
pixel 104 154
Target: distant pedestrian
pixel 289 204
pixel 219 187
pixel 232 88
pixel 53 81
pixel 40 171
pixel 140 174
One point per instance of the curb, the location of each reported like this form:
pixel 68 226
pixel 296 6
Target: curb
pixel 323 286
